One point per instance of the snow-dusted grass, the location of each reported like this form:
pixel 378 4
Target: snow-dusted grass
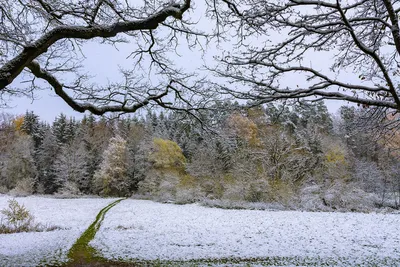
pixel 30 249
pixel 136 230
pixel 144 230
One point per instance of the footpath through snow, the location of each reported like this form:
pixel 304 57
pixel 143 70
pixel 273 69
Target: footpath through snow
pixel 40 248
pixel 81 253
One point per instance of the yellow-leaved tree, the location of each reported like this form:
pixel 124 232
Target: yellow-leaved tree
pixel 166 172
pixel 244 129
pixel 18 121
pixel 167 155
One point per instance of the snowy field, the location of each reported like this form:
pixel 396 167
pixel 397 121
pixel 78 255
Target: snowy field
pixel 136 230
pixel 31 249
pixel 139 229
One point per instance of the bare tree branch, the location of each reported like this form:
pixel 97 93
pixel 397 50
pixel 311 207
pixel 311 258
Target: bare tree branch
pixel 82 107
pixel 31 51
pixel 44 39
pixel 357 35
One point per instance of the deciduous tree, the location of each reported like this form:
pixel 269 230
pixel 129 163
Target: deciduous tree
pixel 359 42
pixel 44 39
pixel 112 177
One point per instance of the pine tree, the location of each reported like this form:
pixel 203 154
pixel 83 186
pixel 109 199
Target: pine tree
pixel 60 129
pixel 32 126
pixel 95 136
pixel 134 136
pixel 70 130
pixel 71 167
pixel 47 153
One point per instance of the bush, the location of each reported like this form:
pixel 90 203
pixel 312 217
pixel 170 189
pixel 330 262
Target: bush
pixel 311 199
pixel 3 189
pixel 23 188
pixel 257 191
pixel 18 219
pixel 212 187
pixel 344 197
pixel 230 204
pixel 69 190
pixel 187 195
pixel 249 191
pixel 282 192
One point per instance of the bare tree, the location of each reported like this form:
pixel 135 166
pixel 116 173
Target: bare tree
pixel 44 38
pixel 282 39
pixel 275 40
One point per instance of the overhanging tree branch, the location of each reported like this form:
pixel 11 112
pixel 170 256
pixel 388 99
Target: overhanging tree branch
pixel 357 39
pixel 82 107
pixel 13 68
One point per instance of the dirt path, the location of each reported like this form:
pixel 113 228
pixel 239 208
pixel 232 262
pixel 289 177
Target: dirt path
pixel 81 253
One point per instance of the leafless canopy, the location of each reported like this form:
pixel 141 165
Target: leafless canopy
pixel 359 41
pixel 43 39
pixel 278 45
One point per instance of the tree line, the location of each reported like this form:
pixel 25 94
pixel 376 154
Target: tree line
pixel 289 156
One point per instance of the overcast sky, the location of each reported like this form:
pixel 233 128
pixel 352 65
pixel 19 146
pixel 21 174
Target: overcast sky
pixel 104 61
pixel 49 106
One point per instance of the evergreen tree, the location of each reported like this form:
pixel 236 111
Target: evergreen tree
pixel 313 115
pixel 47 153
pixel 32 126
pixel 60 129
pixel 71 167
pixel 135 136
pixel 70 131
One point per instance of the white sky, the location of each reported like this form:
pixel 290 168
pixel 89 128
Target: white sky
pixel 49 106
pixel 103 62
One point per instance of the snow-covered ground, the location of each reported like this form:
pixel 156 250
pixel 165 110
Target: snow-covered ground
pixel 139 229
pixel 31 249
